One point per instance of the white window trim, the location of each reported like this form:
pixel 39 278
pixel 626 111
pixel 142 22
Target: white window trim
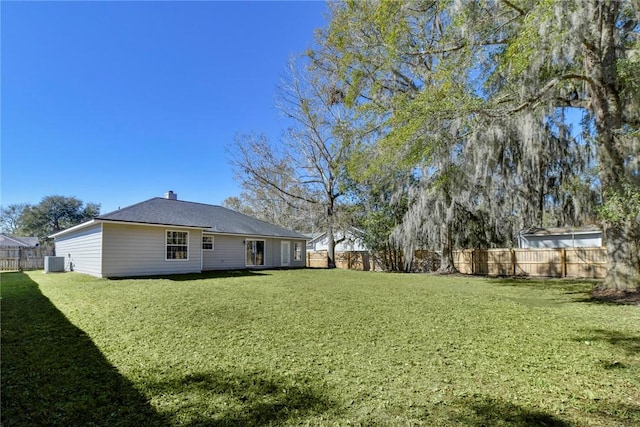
pixel 284 243
pixel 213 242
pixel 264 255
pixel 295 253
pixel 166 245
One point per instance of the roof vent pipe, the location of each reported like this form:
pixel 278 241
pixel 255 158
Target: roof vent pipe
pixel 170 195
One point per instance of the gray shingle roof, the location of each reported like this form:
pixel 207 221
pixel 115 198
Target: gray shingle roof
pixel 28 242
pixel 189 214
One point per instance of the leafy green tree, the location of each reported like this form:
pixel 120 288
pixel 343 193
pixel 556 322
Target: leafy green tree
pixel 389 55
pixel 584 54
pixel 56 213
pixel 379 207
pixel 476 96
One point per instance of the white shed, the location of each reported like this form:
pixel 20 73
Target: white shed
pixel 565 237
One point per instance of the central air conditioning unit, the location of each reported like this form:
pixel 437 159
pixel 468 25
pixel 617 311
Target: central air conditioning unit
pixel 53 264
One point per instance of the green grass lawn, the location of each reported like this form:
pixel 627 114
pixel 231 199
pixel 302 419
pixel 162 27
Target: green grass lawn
pixel 315 347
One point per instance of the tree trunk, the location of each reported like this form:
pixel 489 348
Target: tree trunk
pixel 331 249
pixel 622 262
pixel 600 64
pixel 331 240
pixel 447 265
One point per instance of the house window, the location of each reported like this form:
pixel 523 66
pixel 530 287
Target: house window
pixel 297 251
pixel 255 252
pixel 177 245
pixel 207 243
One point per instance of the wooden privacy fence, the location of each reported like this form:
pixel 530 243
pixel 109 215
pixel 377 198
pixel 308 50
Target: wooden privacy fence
pixel 317 259
pixel 349 260
pixel 20 258
pixel 552 262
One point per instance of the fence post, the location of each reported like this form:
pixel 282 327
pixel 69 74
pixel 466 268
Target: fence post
pixel 474 261
pixel 513 262
pixel 563 256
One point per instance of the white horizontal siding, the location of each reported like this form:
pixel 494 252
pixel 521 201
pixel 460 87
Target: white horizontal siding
pixel 82 250
pixel 272 253
pixel 229 253
pixel 139 250
pixel 591 240
pixel 351 243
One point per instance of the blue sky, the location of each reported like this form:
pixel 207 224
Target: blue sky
pixel 118 102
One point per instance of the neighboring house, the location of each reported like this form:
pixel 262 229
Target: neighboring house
pixel 22 253
pixel 169 236
pixel 352 241
pixel 560 237
pixel 24 242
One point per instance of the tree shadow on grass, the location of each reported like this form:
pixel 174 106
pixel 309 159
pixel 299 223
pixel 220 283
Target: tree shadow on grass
pixel 613 298
pixel 53 374
pixel 626 342
pixel 238 398
pixel 486 411
pixel 569 286
pixel 492 412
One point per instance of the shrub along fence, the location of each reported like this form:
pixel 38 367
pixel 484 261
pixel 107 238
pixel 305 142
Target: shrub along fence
pixel 20 258
pixel 552 262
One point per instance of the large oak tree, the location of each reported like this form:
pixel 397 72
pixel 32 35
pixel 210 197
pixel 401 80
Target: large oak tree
pixel 54 213
pixel 480 98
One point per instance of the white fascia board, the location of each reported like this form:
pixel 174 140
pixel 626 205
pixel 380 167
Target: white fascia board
pixel 585 232
pixel 317 238
pixel 574 233
pixel 74 228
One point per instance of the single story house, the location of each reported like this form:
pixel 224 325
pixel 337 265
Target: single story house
pixel 349 240
pixel 15 241
pixel 168 236
pixel 584 237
